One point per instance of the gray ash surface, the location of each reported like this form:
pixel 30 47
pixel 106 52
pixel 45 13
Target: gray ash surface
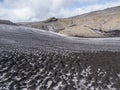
pixel 39 60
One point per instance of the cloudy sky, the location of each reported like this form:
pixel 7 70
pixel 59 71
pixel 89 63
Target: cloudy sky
pixel 36 10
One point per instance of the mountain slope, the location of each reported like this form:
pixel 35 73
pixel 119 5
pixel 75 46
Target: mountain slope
pixel 102 23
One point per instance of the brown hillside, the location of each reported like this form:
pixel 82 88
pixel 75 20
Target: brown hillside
pixel 102 23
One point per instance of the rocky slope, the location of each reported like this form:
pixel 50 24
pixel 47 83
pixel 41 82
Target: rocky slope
pixel 102 23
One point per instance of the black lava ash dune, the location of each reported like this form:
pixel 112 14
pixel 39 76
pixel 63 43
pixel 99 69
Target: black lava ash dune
pixel 31 59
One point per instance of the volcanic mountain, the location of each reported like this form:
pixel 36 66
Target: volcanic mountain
pixel 46 58
pixel 102 23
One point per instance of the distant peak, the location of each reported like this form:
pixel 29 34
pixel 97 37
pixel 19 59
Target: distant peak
pixel 8 22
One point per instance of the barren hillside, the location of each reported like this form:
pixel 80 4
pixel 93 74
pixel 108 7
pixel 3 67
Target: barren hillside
pixel 102 23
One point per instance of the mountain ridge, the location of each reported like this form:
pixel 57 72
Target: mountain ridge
pixel 94 24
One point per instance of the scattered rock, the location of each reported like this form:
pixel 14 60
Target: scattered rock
pixel 52 19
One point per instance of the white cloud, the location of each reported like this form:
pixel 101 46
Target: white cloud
pixel 30 10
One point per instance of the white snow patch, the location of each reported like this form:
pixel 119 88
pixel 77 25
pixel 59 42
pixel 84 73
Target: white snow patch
pixel 101 72
pixel 110 87
pixel 82 84
pixel 49 84
pixel 59 85
pixel 68 74
pixel 17 78
pixel 86 72
pixel 119 75
pixel 24 89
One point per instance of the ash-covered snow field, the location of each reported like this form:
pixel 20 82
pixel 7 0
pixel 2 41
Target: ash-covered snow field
pixel 18 36
pixel 32 59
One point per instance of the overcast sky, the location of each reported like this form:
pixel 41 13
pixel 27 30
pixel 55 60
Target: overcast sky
pixel 36 10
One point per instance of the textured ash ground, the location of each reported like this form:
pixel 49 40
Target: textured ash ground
pixel 31 59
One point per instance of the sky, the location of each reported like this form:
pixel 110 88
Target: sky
pixel 37 10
